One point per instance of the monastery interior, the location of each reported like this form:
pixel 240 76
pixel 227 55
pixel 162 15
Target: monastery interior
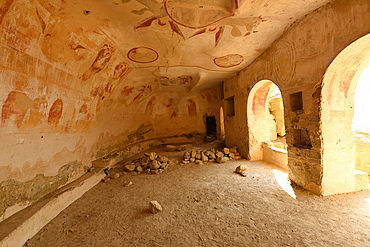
pixel 89 83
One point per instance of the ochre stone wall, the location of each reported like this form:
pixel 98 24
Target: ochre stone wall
pixel 297 63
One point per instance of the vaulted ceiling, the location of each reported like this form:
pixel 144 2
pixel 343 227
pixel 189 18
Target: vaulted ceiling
pixel 182 42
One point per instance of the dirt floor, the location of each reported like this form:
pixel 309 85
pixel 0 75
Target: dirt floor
pixel 209 205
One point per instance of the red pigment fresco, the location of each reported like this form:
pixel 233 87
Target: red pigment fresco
pixel 192 108
pixel 4 9
pixel 259 98
pixel 143 91
pixel 121 70
pixel 101 60
pixel 55 112
pixel 207 96
pixel 172 108
pixel 15 108
pixel 126 91
pixel 150 106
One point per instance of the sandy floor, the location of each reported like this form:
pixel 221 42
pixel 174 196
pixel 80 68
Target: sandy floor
pixel 210 205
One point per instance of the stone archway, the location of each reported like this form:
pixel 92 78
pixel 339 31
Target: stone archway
pixel 265 115
pixel 337 111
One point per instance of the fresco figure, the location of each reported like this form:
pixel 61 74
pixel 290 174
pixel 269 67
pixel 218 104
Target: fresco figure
pixel 192 108
pixel 55 112
pixel 16 104
pixel 101 60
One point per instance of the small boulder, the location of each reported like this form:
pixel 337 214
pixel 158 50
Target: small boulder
pixel 204 158
pixel 154 165
pixel 221 160
pixel 127 184
pixel 155 207
pixel 171 148
pixel 139 169
pixel 130 167
pixel 153 156
pixel 198 156
pixel 233 150
pixel 242 170
pixel 114 175
pixel 226 150
pixel 219 154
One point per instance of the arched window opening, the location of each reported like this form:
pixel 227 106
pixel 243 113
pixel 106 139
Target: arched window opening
pixel 266 124
pixel 361 121
pixel 343 124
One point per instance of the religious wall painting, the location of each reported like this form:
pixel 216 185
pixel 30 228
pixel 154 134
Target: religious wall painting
pixel 55 113
pixel 17 103
pixel 172 108
pixel 228 61
pixel 150 106
pixel 142 55
pixel 175 81
pixel 102 59
pixel 143 92
pixel 260 97
pixel 127 90
pixel 192 108
pixel 20 25
pixel 204 17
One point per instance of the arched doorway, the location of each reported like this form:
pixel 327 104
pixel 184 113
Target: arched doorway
pixel 337 111
pixel 265 115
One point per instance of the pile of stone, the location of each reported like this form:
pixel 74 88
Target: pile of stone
pixel 219 156
pixel 149 163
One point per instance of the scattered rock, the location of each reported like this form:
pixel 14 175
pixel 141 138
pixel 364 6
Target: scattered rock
pixel 170 148
pixel 127 184
pixel 130 167
pixel 242 170
pixel 154 165
pixel 106 179
pixel 139 169
pixel 155 207
pixel 221 160
pixel 226 150
pixel 153 156
pixel 114 175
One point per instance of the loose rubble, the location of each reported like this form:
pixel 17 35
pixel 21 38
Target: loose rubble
pixel 155 207
pixel 242 170
pixel 149 163
pixel 219 156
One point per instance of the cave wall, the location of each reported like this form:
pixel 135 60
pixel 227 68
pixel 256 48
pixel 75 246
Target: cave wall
pixel 297 63
pixel 68 96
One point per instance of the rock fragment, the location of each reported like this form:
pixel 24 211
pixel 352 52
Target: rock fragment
pixel 154 165
pixel 242 170
pixel 130 167
pixel 155 207
pixel 170 148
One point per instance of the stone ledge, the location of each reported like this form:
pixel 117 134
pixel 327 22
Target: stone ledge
pixel 17 229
